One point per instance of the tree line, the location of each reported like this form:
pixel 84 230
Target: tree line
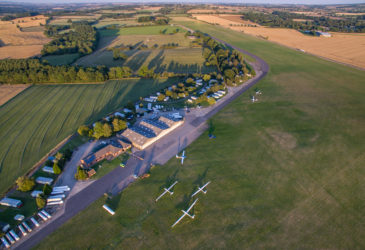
pixel 283 19
pixel 83 39
pixel 229 62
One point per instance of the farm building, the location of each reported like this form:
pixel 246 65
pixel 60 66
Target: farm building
pixel 109 152
pixel 148 131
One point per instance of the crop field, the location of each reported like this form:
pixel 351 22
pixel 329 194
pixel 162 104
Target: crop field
pixel 22 44
pixel 111 21
pixel 63 20
pixel 341 47
pixel 61 59
pixel 287 172
pixel 43 115
pixel 144 30
pixel 184 60
pixel 9 91
pixel 149 40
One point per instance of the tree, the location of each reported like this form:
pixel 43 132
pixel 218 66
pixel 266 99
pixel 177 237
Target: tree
pixel 41 201
pixel 190 80
pixel 56 168
pixel 83 130
pixel 69 21
pixel 206 77
pixel 98 130
pixel 229 74
pixel 145 72
pixel 59 156
pixel 119 125
pixel 80 174
pixel 161 97
pixel 25 184
pixel 107 130
pixel 47 189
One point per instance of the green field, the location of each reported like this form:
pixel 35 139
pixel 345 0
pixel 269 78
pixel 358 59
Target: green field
pixel 287 172
pixel 183 60
pixel 40 117
pixel 145 30
pixel 61 59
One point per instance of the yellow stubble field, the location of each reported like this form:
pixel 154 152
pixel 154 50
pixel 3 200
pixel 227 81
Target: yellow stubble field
pixel 346 48
pixel 21 44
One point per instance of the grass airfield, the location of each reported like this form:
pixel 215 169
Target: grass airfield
pixel 287 172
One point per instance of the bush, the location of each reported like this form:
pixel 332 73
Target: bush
pixel 56 168
pixel 47 189
pixel 80 174
pixel 41 201
pixel 25 184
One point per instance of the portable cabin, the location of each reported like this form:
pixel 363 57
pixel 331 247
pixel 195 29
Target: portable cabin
pixel 11 202
pixel 10 238
pixel 42 216
pixel 4 226
pixel 66 188
pixel 46 214
pixel 44 180
pixel 5 242
pixel 34 222
pixel 15 236
pixel 35 193
pixel 48 169
pixel 26 226
pixel 53 203
pixel 108 209
pixel 22 229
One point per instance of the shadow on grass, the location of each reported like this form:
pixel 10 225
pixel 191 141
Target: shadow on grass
pixel 113 201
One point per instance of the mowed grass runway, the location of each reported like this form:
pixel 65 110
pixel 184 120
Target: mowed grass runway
pixel 287 172
pixel 42 116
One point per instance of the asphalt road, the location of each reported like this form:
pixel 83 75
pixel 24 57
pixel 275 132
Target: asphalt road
pixel 160 152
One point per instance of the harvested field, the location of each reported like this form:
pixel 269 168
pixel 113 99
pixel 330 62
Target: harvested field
pixel 9 91
pixel 349 14
pixel 22 44
pixel 341 47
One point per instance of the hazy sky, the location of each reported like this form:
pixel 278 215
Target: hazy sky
pixel 201 1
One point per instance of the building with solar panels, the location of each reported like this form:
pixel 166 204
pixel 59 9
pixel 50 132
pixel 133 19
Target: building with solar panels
pixel 148 131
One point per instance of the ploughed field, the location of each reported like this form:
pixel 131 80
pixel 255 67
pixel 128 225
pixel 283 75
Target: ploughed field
pixel 41 116
pixel 287 171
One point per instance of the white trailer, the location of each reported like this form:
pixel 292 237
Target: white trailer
pixel 10 239
pixel 15 236
pixel 26 226
pixel 57 192
pixel 46 214
pixel 34 222
pixel 53 203
pixel 42 216
pixel 66 188
pixel 54 199
pixel 22 229
pixel 59 196
pixel 108 209
pixel 5 242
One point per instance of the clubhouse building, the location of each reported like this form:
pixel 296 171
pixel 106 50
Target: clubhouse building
pixel 148 131
pixel 109 152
